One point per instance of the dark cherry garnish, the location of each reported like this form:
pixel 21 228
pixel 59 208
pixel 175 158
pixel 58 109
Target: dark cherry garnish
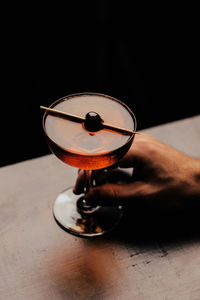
pixel 93 121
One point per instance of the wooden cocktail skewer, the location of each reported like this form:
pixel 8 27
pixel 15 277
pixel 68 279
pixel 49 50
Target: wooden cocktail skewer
pixel 81 119
pixel 63 114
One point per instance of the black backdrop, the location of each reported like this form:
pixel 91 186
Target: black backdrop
pixel 146 57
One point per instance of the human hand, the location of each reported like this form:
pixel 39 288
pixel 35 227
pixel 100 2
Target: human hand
pixel 163 178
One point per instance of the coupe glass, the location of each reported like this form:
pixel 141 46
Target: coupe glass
pixel 89 149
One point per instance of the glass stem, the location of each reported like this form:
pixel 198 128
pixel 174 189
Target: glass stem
pixel 82 205
pixel 88 180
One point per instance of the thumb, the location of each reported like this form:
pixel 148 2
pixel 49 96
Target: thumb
pixel 116 194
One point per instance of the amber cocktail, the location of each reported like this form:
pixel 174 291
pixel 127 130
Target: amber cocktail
pixel 90 148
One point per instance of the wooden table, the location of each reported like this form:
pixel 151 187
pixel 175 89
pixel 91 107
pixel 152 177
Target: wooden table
pixel 38 260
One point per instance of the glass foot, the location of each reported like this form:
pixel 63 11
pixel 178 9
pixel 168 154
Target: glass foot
pixel 70 218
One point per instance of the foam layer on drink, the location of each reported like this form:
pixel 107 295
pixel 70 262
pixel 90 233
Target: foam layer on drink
pixel 73 137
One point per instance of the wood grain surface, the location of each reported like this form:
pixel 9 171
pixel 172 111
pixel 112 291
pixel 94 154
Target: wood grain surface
pixel 146 257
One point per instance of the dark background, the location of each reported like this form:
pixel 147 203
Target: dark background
pixel 145 56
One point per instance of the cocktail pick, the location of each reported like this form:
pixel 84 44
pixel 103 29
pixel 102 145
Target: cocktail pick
pixel 79 119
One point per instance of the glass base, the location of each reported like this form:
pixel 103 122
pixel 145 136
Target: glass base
pixel 70 218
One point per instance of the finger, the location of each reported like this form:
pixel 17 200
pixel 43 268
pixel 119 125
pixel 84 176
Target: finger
pixel 140 151
pixel 79 185
pixel 100 176
pixel 129 160
pixel 112 176
pixel 119 194
pixel 119 176
pixel 134 154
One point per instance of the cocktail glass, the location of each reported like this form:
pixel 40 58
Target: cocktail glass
pixel 89 149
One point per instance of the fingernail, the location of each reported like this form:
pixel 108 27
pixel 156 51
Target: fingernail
pixel 76 191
